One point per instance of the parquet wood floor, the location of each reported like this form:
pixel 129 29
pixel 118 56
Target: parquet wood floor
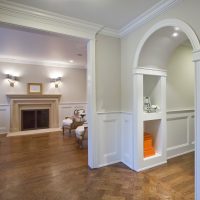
pixel 50 167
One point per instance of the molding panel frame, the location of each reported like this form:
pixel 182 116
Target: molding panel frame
pixel 4 118
pixel 180 132
pixel 109 139
pixel 127 139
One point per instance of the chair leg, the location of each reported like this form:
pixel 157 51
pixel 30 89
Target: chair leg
pixel 70 132
pixel 63 130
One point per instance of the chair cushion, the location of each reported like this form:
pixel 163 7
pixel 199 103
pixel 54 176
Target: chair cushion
pixel 67 121
pixel 79 131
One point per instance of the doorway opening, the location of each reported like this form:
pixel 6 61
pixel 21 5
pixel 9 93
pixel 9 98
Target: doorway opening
pixel 36 56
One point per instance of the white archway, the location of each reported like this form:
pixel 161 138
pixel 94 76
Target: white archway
pixel 137 72
pixel 167 22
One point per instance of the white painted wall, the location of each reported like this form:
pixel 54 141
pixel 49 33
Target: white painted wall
pixel 108 78
pixel 180 101
pixel 72 88
pixel 180 79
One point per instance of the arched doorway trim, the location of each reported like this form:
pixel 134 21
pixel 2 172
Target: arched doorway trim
pixel 164 23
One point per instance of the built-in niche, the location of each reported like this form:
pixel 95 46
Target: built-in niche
pixel 151 123
pixel 152 89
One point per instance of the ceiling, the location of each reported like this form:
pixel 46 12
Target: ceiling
pixel 40 47
pixel 21 45
pixel 114 14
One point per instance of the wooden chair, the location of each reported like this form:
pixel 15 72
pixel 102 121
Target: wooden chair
pixel 76 120
pixel 75 123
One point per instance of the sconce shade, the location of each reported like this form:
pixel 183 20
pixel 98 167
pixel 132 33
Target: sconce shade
pixel 56 81
pixel 11 79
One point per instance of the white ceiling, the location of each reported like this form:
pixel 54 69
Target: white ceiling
pixel 114 14
pixel 36 47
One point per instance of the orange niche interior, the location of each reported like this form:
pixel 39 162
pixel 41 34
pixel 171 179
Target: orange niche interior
pixel 148 145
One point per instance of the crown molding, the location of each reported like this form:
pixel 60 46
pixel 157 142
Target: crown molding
pixel 74 26
pixel 110 32
pixel 148 15
pixel 11 12
pixel 16 60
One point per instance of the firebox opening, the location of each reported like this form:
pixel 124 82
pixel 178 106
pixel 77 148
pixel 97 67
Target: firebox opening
pixel 34 119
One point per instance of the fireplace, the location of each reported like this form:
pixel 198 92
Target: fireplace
pixel 34 119
pixel 22 102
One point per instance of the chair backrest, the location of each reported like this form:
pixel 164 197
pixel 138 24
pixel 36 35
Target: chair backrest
pixel 79 112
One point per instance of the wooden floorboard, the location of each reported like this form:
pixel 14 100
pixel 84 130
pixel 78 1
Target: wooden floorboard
pixel 53 167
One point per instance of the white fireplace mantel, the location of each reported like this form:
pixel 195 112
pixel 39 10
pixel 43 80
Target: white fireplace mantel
pixel 19 102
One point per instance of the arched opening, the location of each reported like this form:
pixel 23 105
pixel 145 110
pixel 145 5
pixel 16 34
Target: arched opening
pixel 153 62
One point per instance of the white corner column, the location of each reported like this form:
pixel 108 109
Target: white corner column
pixel 91 107
pixel 196 59
pixel 138 120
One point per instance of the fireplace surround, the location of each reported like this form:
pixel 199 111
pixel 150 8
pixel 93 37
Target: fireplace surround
pixel 18 103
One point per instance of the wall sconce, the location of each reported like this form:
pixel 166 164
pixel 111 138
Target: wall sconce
pixel 11 79
pixel 56 81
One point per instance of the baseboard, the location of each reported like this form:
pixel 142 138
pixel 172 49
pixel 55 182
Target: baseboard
pixel 151 166
pixel 180 154
pixel 109 163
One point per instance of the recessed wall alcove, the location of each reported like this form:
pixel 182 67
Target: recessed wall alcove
pixel 31 102
pixel 151 60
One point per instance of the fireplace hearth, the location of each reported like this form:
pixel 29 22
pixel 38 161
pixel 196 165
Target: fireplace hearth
pixel 34 119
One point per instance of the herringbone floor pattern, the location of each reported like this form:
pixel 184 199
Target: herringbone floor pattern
pixel 50 167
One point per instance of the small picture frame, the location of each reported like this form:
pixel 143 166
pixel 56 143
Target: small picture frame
pixel 34 88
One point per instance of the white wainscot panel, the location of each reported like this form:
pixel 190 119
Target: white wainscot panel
pixel 127 139
pixel 109 144
pixel 180 132
pixel 4 118
pixel 67 110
